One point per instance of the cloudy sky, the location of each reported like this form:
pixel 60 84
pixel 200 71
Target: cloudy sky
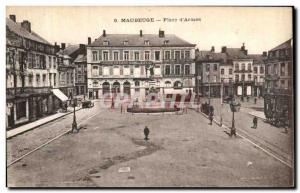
pixel 260 28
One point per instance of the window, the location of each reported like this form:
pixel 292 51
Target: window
pixel 50 61
pixel 255 69
pixel 282 82
pixel 237 66
pixel 167 55
pixel 262 70
pixel 177 69
pixel 207 67
pixel 136 55
pixel 187 69
pixel 230 71
pixel 243 77
pixel 255 78
pixel 243 66
pixel 137 85
pixel 44 78
pixel 105 55
pixel 230 80
pixel 222 71
pixel 147 55
pixel 125 43
pixel 95 71
pixel 105 43
pixel 249 66
pixel 177 55
pixel 215 67
pixel 168 70
pixel 157 55
pixel 95 55
pixel 68 78
pixel 21 109
pixel 249 77
pixel 95 84
pixel 187 55
pixel 168 84
pixel 236 77
pixel 37 79
pixel 166 42
pixel 116 56
pixel 126 55
pixel 177 85
pixel 146 42
pixel 54 62
pixel 54 78
pixel 282 69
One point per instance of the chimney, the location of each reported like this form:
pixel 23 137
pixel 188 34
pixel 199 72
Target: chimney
pixel 56 47
pixel 12 17
pixel 26 24
pixel 89 40
pixel 264 54
pixel 161 33
pixel 141 33
pixel 81 46
pixel 63 46
pixel 104 33
pixel 243 47
pixel 224 49
pixel 212 49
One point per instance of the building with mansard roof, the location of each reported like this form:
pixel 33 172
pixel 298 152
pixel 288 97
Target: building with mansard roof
pixel 140 64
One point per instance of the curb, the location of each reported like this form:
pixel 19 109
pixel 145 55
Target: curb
pixel 9 137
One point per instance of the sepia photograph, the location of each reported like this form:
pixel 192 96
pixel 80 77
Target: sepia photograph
pixel 150 97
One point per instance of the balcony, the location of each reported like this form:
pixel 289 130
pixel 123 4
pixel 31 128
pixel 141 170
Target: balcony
pixel 19 91
pixel 178 75
pixel 178 61
pixel 243 71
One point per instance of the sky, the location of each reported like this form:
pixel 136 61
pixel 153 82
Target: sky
pixel 260 28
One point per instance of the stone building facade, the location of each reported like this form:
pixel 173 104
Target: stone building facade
pixel 140 64
pixel 31 74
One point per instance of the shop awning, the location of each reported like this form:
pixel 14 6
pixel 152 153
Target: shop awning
pixel 59 94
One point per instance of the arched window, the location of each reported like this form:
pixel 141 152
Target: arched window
pixel 105 87
pixel 116 87
pixel 95 84
pixel 126 87
pixel 177 85
pixel 168 84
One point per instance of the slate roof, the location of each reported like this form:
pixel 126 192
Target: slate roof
pixel 208 55
pixel 80 58
pixel 69 50
pixel 235 53
pixel 257 58
pixel 285 45
pixel 19 30
pixel 135 40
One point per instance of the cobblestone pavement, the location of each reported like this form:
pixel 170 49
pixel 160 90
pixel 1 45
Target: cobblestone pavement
pixel 183 151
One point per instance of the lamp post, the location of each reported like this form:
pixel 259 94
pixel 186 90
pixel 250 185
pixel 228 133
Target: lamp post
pixel 74 103
pixel 221 116
pixel 235 107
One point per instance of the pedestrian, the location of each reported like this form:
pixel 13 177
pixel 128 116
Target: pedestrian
pixel 211 117
pixel 247 98
pixel 255 99
pixel 112 103
pixel 254 122
pixel 121 108
pixel 146 133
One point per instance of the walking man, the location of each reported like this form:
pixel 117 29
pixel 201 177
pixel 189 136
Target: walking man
pixel 146 133
pixel 254 122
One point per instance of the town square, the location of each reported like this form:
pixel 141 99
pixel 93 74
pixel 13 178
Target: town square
pixel 149 107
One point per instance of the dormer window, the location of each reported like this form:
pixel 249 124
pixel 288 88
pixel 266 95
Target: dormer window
pixel 125 42
pixel 146 42
pixel 166 42
pixel 105 43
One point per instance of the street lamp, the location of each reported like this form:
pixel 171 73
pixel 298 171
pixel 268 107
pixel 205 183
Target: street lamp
pixel 235 107
pixel 74 103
